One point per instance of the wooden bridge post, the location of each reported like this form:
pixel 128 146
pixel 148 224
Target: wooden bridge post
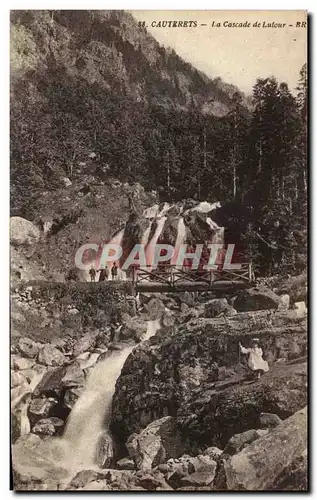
pixel 210 277
pixel 134 275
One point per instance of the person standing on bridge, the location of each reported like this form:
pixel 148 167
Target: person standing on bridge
pixel 103 274
pixel 114 271
pixel 92 274
pixel 255 362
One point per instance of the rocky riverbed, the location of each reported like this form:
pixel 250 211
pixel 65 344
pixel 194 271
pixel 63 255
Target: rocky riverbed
pixel 185 413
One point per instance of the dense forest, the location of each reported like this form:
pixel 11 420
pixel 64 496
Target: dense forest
pixel 166 136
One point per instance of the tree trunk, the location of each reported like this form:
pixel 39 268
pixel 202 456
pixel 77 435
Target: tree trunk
pixel 304 179
pixel 168 173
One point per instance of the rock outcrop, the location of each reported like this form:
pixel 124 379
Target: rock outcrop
pixel 264 464
pixel 155 444
pixel 255 299
pixel 23 232
pixel 198 377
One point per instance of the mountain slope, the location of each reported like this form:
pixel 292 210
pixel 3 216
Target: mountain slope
pixel 92 93
pixel 109 49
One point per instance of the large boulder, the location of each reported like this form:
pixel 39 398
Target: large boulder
pixel 240 441
pixel 261 466
pixel 187 470
pixel 166 375
pixel 212 416
pixel 50 356
pixel 105 451
pixel 158 442
pixel 19 363
pixel 295 476
pixel 85 343
pixel 255 299
pixel 48 426
pixel 33 464
pixel 154 309
pixel 23 232
pixel 60 379
pixel 28 347
pixel 41 407
pixel 295 287
pixel 216 306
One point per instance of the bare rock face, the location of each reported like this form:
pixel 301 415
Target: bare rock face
pixel 213 416
pixel 20 363
pixel 154 309
pixel 125 464
pixel 197 376
pixel 240 441
pixel 105 451
pixel 269 420
pixel 155 444
pixel 294 476
pixel 23 232
pixel 28 347
pixel 189 471
pixel 255 299
pixel 215 306
pixel 48 426
pixel 41 407
pixel 284 302
pixel 50 356
pixel 295 287
pixel 264 464
pixel 84 343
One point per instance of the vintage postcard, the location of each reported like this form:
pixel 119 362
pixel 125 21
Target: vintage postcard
pixel 158 250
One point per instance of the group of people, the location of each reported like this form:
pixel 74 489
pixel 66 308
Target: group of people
pixel 104 273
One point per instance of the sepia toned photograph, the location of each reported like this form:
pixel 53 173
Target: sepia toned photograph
pixel 158 250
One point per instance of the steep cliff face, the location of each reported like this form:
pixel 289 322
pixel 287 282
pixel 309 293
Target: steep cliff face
pixel 93 94
pixel 110 50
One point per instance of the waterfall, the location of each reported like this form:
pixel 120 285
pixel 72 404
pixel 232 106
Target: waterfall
pixel 25 427
pixel 180 239
pixel 146 235
pixel 90 417
pixel 149 253
pixel 117 240
pixel 164 210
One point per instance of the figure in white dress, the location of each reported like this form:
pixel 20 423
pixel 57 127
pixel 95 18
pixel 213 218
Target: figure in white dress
pixel 255 362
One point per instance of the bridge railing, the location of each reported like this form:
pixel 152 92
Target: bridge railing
pixel 172 274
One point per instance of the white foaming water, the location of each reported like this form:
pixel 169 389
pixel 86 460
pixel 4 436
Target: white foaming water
pixel 90 417
pixel 165 209
pixel 146 235
pixel 205 207
pixel 149 252
pixel 117 240
pixel 180 239
pixel 219 236
pixel 151 212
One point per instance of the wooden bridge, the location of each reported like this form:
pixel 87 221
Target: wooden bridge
pixel 173 278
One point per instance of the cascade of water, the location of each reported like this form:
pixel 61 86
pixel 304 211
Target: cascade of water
pixel 151 212
pixel 149 253
pixel 180 239
pixel 90 416
pixel 25 426
pixel 164 210
pixel 146 235
pixel 116 240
